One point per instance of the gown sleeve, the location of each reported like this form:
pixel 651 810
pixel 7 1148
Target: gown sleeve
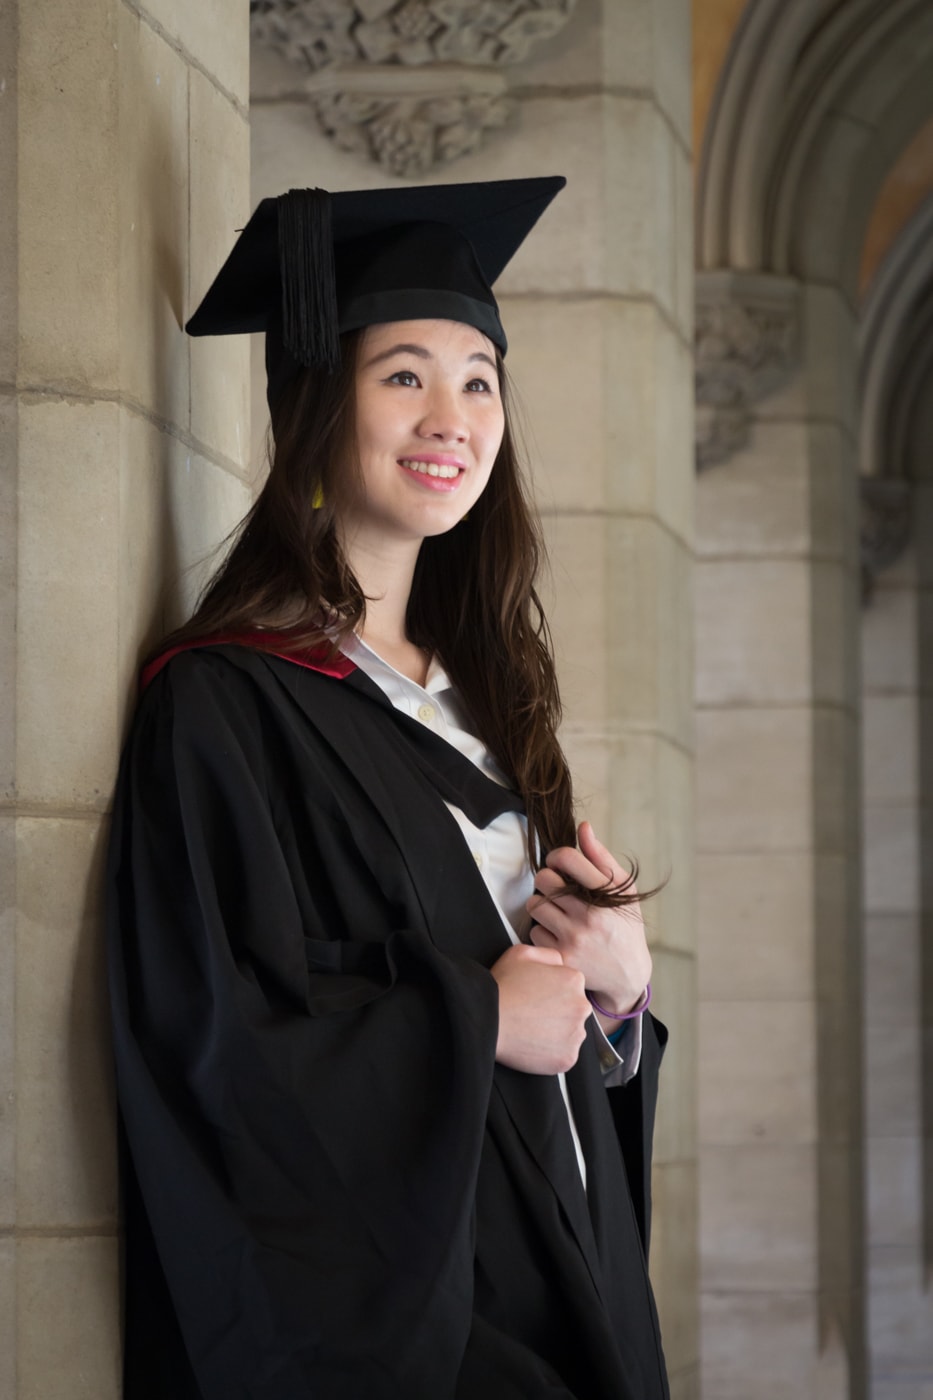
pixel 303 1077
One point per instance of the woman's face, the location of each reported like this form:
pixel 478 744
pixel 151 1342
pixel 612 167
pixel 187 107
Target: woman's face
pixel 429 421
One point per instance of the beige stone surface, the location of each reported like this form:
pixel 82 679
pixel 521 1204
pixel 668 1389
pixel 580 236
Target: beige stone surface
pixel 895 1190
pixel 219 161
pixel 685 1384
pixel 67 607
pixel 893 944
pixel 899 1308
pixel 7 1317
pixel 153 220
pixel 673 1260
pixel 893 1082
pixel 68 190
pixel 651 637
pixel 574 596
pixel 9 455
pixel 210 32
pixel 889 639
pixel 757 1209
pixel 66 1169
pixel 756 503
pixel 753 632
pixel 589 755
pixel 673 982
pixel 755 925
pixel 758 1346
pixel 742 753
pixel 7 1024
pixel 176 508
pixel 892 859
pixel 834 620
pixel 826 391
pixel 68 1319
pixel 9 280
pixel 890 750
pixel 757 1072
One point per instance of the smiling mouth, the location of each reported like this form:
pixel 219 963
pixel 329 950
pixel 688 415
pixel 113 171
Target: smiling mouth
pixel 440 469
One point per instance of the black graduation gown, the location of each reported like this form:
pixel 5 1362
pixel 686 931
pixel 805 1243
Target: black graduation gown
pixel 330 1188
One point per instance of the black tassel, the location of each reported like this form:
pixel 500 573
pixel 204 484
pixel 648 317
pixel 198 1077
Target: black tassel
pixel 310 329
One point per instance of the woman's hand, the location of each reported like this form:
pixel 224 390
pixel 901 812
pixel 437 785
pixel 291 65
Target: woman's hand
pixel 607 946
pixel 543 1010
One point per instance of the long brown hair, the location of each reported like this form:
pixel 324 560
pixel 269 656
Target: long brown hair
pixel 286 571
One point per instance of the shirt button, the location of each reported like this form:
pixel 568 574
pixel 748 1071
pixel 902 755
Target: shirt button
pixel 426 713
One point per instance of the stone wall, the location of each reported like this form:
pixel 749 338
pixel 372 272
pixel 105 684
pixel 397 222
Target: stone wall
pixel 124 157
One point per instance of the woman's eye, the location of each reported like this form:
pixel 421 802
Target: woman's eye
pixel 405 377
pixel 479 386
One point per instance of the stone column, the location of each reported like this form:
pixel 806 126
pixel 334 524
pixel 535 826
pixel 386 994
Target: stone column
pixel 598 309
pixel 123 172
pixel 778 873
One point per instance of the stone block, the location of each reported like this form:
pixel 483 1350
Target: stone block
pixel 204 504
pixel 9 150
pixel 893 1082
pixel 68 190
pixel 68 1319
pixel 889 639
pixel 756 503
pixel 754 779
pixel 219 185
pixel 757 1068
pixel 892 970
pixel 7 1311
pixel 651 785
pixel 753 632
pixel 834 503
pixel 674 1261
pixel 900 1336
pixel 890 750
pixel 892 859
pixel 9 456
pixel 835 780
pixel 673 983
pixel 834 624
pixel 684 1384
pixel 66 1149
pixel 208 32
pixel 651 674
pixel 758 1346
pixel 757 1213
pixel 755 934
pixel 7 1025
pixel 576 598
pixel 66 740
pixel 153 221
pixel 895 1195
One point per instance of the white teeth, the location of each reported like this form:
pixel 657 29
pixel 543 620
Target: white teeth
pixel 431 468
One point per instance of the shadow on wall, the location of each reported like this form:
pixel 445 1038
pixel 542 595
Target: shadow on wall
pixel 925 755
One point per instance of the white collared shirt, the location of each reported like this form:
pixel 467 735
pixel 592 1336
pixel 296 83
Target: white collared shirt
pixel 500 848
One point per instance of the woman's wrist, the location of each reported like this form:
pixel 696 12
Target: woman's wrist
pixel 639 1006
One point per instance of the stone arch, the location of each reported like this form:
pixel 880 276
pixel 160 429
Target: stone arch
pixel 812 103
pixel 896 349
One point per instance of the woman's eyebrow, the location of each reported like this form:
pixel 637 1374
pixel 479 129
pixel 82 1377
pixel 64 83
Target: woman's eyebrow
pixel 419 350
pixel 403 349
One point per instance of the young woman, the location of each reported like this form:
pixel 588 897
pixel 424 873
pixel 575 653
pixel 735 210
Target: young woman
pixel 386 1087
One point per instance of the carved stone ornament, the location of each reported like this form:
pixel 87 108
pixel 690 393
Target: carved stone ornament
pixel 884 526
pixel 409 83
pixel 746 340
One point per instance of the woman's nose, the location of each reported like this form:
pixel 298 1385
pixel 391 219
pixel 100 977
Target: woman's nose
pixel 444 417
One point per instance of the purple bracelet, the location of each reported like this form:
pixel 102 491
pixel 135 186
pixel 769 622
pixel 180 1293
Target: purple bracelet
pixel 643 1005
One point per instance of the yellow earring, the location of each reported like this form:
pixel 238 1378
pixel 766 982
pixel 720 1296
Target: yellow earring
pixel 317 500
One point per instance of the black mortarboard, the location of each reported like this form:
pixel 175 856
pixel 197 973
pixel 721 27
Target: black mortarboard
pixel 310 265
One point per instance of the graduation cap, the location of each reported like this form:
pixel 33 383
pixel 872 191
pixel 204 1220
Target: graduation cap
pixel 310 265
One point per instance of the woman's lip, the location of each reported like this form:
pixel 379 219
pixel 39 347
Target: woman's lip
pixel 431 483
pixel 441 459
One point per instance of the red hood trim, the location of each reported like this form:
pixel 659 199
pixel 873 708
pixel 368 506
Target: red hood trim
pixel 313 658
